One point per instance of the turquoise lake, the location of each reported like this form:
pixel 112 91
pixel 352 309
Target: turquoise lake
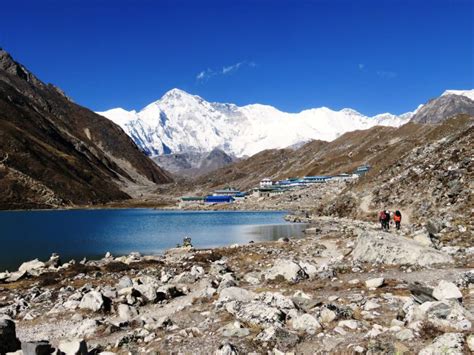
pixel 75 234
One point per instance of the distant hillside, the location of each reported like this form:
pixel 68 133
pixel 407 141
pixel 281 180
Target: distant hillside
pixel 54 152
pixel 375 146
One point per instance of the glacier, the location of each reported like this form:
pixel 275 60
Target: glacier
pixel 180 122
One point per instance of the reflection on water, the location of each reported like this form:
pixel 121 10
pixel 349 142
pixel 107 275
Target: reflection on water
pixel 275 232
pixel 76 234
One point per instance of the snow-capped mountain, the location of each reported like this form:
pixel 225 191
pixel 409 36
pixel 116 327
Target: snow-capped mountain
pixel 181 122
pixel 467 93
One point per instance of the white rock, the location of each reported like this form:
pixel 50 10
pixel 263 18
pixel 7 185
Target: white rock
pixel 32 267
pixel 374 283
pixel 446 290
pixel 470 342
pixel 327 316
pixel 197 271
pixel 255 312
pixel 287 269
pixel 252 278
pixel 124 282
pixel 405 334
pixel 307 323
pixel 235 294
pixel 92 300
pixel 148 291
pixel 126 312
pixel 301 294
pixel 309 269
pixel 349 323
pixel 73 347
pixel 370 305
pixel 234 329
pixel 423 238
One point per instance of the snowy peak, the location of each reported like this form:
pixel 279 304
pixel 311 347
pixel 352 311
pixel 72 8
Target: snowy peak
pixel 180 123
pixel 468 93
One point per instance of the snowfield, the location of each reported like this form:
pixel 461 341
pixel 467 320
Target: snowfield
pixel 180 122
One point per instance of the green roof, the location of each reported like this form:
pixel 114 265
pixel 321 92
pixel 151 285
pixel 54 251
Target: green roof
pixel 192 198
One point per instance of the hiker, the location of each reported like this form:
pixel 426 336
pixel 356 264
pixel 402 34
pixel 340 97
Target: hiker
pixel 397 217
pixel 387 220
pixel 382 218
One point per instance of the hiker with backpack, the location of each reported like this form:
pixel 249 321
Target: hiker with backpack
pixel 382 219
pixel 397 217
pixel 387 220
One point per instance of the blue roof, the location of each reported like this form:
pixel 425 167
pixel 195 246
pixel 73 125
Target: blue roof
pixel 219 199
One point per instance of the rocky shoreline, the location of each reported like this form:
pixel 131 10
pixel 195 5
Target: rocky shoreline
pixel 345 288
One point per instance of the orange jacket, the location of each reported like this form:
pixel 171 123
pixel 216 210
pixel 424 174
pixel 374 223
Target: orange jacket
pixel 397 218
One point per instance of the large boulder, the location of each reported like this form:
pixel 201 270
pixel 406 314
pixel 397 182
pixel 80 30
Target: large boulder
pixel 8 339
pixel 93 301
pixel 447 315
pixel 32 267
pixel 307 323
pixel 255 312
pixel 391 249
pixel 449 343
pixel 287 269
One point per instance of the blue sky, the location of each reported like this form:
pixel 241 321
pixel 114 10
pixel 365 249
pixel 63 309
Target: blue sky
pixel 373 56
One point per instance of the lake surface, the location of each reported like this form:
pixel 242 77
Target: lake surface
pixel 75 234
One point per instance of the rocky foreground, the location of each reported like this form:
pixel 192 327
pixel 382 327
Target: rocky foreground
pixel 346 287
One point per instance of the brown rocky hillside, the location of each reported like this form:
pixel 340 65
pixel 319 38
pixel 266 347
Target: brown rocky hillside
pixel 54 152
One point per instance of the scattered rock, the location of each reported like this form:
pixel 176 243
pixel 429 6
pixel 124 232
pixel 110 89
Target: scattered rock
pixel 126 312
pixel 93 301
pixel 279 336
pixel 350 323
pixel 235 294
pixel 255 312
pixel 405 334
pixel 446 290
pixel 32 267
pixel 72 347
pixel 234 329
pixel 307 323
pixel 287 269
pixel 327 316
pixel 447 315
pixel 375 283
pixel 449 343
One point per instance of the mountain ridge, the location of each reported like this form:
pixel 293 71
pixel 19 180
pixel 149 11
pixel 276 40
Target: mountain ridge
pixel 55 153
pixel 180 122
